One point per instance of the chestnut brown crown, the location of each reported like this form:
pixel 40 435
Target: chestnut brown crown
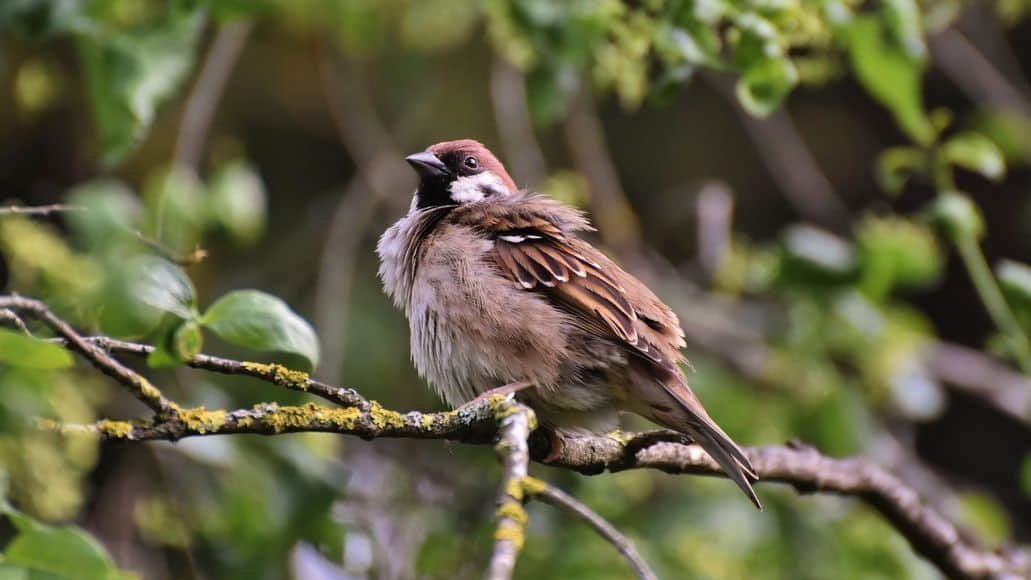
pixel 456 172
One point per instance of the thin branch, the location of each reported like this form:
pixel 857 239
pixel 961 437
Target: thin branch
pixel 8 315
pixel 38 210
pixel 471 425
pixel 715 207
pixel 271 373
pixel 974 373
pixel 551 495
pixel 147 393
pixel 515 128
pixel 585 137
pixel 975 74
pixel 802 467
pixel 207 92
pixel 516 423
pixel 381 173
pixel 789 162
pixel 197 256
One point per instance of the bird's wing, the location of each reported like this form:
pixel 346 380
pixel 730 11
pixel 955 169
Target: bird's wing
pixel 535 245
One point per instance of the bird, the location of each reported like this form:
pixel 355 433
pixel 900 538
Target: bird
pixel 500 289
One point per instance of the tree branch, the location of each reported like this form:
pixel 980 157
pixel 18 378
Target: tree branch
pixel 549 494
pixel 38 210
pixel 931 534
pixel 516 421
pixel 207 91
pixel 147 393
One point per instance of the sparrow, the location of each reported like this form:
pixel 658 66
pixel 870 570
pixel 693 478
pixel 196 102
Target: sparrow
pixel 499 289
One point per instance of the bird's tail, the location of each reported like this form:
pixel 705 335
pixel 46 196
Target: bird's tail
pixel 690 418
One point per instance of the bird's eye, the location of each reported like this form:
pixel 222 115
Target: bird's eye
pixel 471 162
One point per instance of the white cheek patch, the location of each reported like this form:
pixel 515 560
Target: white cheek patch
pixel 476 187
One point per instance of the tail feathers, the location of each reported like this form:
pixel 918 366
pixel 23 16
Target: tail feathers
pixel 728 455
pixel 677 407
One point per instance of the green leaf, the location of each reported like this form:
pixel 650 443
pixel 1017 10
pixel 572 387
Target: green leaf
pixel 111 211
pixel 162 286
pixel 177 341
pixel 1015 280
pixel 957 215
pixel 188 340
pixel 177 210
pixel 890 75
pixel 905 26
pixel 61 552
pixel 549 90
pixel 21 350
pixel 896 252
pixel 257 320
pixel 131 73
pixel 237 199
pixel 819 248
pixel 983 514
pixel 1009 130
pixel 764 85
pixel 977 153
pixel 895 166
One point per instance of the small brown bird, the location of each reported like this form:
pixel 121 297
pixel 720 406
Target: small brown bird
pixel 498 289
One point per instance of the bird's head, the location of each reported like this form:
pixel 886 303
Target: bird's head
pixel 457 172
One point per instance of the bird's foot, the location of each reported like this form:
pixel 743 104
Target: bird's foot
pixel 503 390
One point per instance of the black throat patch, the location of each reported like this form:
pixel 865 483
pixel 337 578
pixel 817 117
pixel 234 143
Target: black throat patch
pixel 433 192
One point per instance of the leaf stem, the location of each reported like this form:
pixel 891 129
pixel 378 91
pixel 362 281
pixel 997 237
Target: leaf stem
pixel 990 293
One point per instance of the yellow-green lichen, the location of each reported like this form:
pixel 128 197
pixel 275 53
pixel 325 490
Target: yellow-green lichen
pixel 533 486
pixel 148 390
pixel 514 489
pixel 296 380
pixel 622 437
pixel 202 420
pixel 507 531
pixel 383 417
pixel 311 415
pixel 115 429
pixel 426 420
pixel 512 511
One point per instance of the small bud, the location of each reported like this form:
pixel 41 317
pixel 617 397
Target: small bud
pixel 957 215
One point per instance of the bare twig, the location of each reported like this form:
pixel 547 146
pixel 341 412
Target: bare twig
pixel 512 115
pixel 207 91
pixel 789 162
pixel 616 220
pixel 381 173
pixel 8 315
pixel 930 534
pixel 39 210
pixel 974 373
pixel 272 373
pixel 197 256
pixel 147 393
pixel 549 494
pixel 715 212
pixel 517 421
pixel 972 72
pixel 336 272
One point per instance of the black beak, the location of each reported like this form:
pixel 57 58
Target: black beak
pixel 427 165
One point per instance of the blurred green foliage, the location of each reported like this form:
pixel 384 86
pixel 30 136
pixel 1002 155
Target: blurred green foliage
pixel 844 353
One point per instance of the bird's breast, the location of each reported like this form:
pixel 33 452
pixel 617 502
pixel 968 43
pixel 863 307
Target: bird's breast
pixel 472 329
